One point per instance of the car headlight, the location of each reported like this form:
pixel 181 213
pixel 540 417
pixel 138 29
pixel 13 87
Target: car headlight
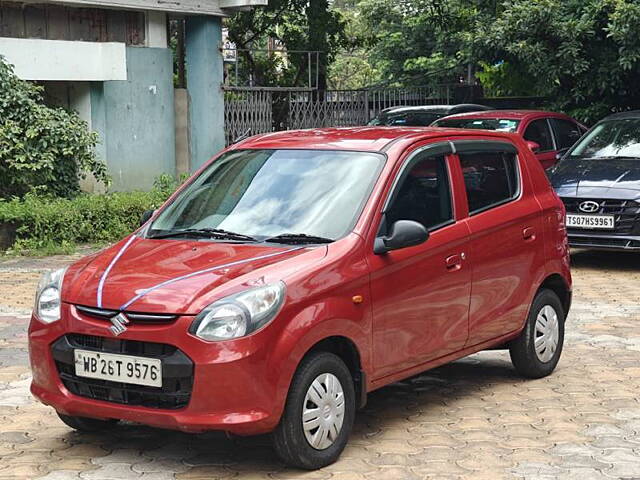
pixel 240 314
pixel 48 300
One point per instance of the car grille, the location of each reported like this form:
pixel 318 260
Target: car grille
pixel 135 317
pixel 177 372
pixel 626 213
pixel 599 242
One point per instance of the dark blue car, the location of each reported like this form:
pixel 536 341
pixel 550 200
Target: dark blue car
pixel 599 182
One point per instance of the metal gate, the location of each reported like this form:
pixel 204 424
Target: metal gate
pixel 261 110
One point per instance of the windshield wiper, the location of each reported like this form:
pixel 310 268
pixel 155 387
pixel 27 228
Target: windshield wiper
pixel 294 238
pixel 206 232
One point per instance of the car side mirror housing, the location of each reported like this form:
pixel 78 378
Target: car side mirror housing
pixel 404 233
pixel 146 216
pixel 533 146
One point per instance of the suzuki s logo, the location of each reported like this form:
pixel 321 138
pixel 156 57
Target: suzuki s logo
pixel 589 206
pixel 120 323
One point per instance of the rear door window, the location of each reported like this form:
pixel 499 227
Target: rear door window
pixel 538 131
pixel 491 179
pixel 567 133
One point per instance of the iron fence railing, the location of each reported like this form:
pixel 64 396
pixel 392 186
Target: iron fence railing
pixel 264 109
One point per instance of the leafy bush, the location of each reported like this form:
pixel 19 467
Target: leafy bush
pixel 39 145
pixel 55 225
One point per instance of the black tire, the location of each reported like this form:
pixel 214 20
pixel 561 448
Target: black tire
pixel 85 424
pixel 289 438
pixel 522 350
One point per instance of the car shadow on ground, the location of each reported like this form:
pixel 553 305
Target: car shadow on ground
pixel 606 260
pixel 417 402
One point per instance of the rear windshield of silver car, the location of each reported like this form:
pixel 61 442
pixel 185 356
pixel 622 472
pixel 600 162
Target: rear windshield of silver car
pixel 498 124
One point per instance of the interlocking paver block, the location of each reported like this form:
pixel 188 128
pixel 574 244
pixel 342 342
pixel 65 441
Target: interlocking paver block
pixel 471 419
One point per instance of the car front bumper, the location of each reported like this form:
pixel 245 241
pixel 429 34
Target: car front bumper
pixel 603 241
pixel 230 385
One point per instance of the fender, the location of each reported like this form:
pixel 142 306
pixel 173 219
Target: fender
pixel 298 338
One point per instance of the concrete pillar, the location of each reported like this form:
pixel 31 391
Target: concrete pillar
pixel 99 117
pixel 97 123
pixel 204 79
pixel 181 103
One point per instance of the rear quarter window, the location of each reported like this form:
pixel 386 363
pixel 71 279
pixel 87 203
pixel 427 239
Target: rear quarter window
pixel 491 179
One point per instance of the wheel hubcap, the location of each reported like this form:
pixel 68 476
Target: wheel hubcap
pixel 323 411
pixel 547 333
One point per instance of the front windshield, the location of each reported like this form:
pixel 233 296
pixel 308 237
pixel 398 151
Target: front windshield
pixel 265 193
pixel 499 124
pixel 610 138
pixel 406 119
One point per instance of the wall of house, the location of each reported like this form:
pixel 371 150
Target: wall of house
pixel 135 119
pixel 61 22
pixel 115 68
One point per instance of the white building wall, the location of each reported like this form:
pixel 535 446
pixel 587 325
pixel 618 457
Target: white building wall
pixel 61 60
pixel 156 29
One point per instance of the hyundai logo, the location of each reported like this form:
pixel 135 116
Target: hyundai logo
pixel 119 324
pixel 589 206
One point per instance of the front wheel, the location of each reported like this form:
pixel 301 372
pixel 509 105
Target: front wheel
pixel 535 353
pixel 319 413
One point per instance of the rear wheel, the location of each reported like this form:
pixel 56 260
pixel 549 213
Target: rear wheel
pixel 319 413
pixel 85 424
pixel 536 352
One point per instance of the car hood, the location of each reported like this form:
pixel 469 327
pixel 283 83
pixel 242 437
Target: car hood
pixel 176 276
pixel 584 177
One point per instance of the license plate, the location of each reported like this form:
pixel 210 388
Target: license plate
pixel 119 368
pixel 604 222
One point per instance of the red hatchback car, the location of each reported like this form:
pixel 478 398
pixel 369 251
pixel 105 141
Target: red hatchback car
pixel 298 271
pixel 548 134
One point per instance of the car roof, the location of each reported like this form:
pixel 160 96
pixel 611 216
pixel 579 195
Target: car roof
pixel 369 139
pixel 433 108
pixel 623 115
pixel 509 114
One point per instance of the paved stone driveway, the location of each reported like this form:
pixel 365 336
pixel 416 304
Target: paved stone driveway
pixel 471 419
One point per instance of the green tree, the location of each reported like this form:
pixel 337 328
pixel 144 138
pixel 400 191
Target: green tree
pixel 40 146
pixel 351 67
pixel 421 41
pixel 308 25
pixel 582 54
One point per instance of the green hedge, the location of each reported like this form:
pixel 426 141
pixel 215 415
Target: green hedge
pixel 46 225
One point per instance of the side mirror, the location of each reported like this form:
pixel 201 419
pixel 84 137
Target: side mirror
pixel 534 146
pixel 404 233
pixel 146 216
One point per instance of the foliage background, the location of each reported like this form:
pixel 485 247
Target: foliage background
pixel 583 55
pixel 41 147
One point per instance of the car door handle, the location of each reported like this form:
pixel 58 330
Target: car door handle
pixel 529 234
pixel 453 262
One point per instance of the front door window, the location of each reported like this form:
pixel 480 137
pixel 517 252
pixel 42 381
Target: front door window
pixel 423 194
